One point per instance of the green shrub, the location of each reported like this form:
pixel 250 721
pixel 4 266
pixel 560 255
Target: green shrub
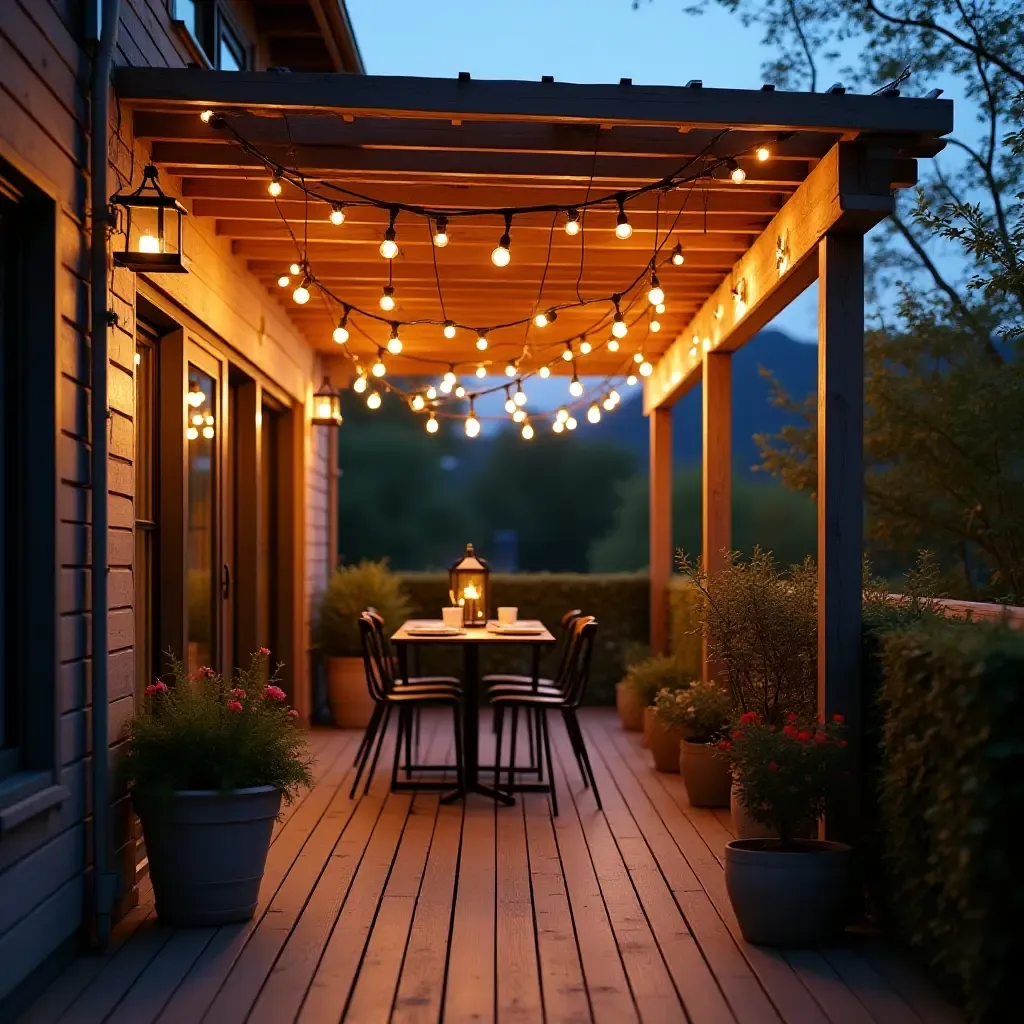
pixel 705 708
pixel 952 799
pixel 649 677
pixel 207 732
pixel 619 601
pixel 351 590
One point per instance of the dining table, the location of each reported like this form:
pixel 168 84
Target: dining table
pixel 529 634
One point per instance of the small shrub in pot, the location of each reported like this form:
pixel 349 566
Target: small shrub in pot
pixel 668 728
pixel 644 679
pixel 705 708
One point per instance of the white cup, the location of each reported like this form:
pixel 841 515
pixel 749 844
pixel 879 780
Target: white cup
pixel 508 616
pixel 452 617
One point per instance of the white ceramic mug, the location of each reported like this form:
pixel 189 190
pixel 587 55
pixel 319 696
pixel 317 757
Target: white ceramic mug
pixel 452 617
pixel 508 616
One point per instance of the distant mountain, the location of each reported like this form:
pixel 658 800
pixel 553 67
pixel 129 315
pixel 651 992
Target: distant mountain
pixel 794 363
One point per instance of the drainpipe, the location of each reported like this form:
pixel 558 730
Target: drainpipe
pixel 104 882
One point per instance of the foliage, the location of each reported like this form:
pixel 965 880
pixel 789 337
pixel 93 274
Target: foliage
pixel 952 797
pixel 620 602
pixel 656 675
pixel 351 590
pixel 762 628
pixel 686 641
pixel 210 733
pixel 785 775
pixel 703 707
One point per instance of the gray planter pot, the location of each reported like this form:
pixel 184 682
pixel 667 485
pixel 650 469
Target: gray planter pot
pixel 207 851
pixel 797 897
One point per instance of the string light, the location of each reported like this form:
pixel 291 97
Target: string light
pixel 511 370
pixel 612 344
pixel 301 294
pixel 481 371
pixel 609 402
pixel 441 232
pixel 527 431
pixel 359 384
pixel 520 396
pixel 394 342
pixel 575 387
pixel 572 221
pixel 585 347
pixel 638 357
pixel 544 371
pixel 284 280
pixel 460 391
pixel 274 188
pixel 379 369
pixel 337 216
pixel 570 423
pixel 763 153
pixel 678 259
pixel 631 380
pixel 294 269
pixel 510 406
pixel 558 426
pixel 472 424
pixel 659 308
pixel 623 229
pixel 432 424
pixel 519 415
pixel 373 400
pixel 562 415
pixel 417 403
pixel 568 355
pixel 655 326
pixel 619 328
pixel 543 319
pixel 431 393
pixel 449 377
pixel 449 329
pixel 387 298
pixel 656 293
pixel 341 334
pixel 501 255
pixel 594 413
pixel 206 116
pixel 481 341
pixel 736 172
pixel 646 369
pixel 389 247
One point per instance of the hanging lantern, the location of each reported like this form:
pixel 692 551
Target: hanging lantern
pixel 326 406
pixel 469 582
pixel 153 232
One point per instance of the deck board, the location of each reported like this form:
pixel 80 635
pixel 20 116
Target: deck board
pixel 394 908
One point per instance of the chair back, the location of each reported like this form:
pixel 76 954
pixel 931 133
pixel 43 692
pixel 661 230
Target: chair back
pixel 577 669
pixel 567 621
pixel 375 662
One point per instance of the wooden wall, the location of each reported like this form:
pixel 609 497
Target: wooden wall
pixel 44 75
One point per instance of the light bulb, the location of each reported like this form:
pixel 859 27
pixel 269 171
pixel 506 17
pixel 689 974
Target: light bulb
pixel 394 342
pixel 481 341
pixel 575 387
pixel 208 420
pixel 341 334
pixel 586 348
pixel 197 419
pixel 519 415
pixel 294 269
pixel 359 384
pixel 623 229
pixel 205 116
pixel 418 403
pixel 738 175
pixel 510 370
pixel 646 369
pixel 389 247
pixel 655 326
pixel 460 391
pixel 567 355
pixel 387 299
pixel 431 393
pixel 283 281
pixel 449 329
pixel 707 344
pixel 659 308
pixel 274 188
pixel 149 243
pixel 562 415
pixel 619 328
pixel 656 293
pixel 540 320
pixel 544 371
pixel 373 400
pixel 615 397
pixel 449 377
pixel 472 425
pixel 527 431
pixel 608 404
pixel 301 295
pixel 207 432
pixel 763 153
pixel 638 357
pixel 520 396
pixel 323 410
pixel 558 426
pixel 594 413
pixel 510 406
pixel 378 369
pixel 570 423
pixel 441 232
pixel 481 371
pixel 432 424
pixel 337 216
pixel 631 380
pixel 446 386
pixel 192 433
pixel 678 259
pixel 500 255
pixel 572 222
pixel 613 345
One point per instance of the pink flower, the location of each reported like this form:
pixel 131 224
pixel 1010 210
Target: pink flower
pixel 234 705
pixel 274 693
pixel 238 692
pixel 264 652
pixel 157 687
pixel 293 713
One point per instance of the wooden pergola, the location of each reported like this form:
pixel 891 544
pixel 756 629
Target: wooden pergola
pixel 750 248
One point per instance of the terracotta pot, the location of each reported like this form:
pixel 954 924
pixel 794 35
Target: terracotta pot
pixel 648 720
pixel 351 704
pixel 631 711
pixel 705 774
pixel 663 744
pixel 794 897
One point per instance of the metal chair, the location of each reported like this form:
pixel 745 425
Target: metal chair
pixel 572 688
pixel 407 698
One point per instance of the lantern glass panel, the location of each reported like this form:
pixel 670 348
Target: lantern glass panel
pixel 469 581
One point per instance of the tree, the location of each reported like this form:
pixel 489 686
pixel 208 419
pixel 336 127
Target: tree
pixel 944 426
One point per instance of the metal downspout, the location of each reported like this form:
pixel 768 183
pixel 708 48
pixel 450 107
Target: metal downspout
pixel 104 883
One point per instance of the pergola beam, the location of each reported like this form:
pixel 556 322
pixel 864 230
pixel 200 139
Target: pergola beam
pixel 851 189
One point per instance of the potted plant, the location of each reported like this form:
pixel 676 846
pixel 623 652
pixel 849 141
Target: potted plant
pixel 351 590
pixel 208 763
pixel 668 728
pixel 788 891
pixel 643 681
pixel 705 708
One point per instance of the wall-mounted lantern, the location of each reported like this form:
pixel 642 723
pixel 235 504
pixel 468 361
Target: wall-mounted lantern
pixel 153 234
pixel 326 406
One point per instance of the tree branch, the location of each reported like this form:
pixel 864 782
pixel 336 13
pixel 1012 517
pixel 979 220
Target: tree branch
pixel 803 42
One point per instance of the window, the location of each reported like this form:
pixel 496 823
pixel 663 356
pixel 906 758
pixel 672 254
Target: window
pixel 147 665
pixel 208 28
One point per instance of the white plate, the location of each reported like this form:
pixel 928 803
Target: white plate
pixel 434 631
pixel 517 630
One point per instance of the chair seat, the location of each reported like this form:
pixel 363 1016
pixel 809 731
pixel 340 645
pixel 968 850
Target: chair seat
pixel 410 695
pixel 425 687
pixel 452 681
pixel 526 698
pixel 514 689
pixel 501 679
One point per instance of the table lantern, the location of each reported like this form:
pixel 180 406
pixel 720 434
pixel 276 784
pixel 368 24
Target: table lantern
pixel 326 406
pixel 469 580
pixel 152 234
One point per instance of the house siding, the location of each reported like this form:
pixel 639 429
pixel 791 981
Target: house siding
pixel 44 73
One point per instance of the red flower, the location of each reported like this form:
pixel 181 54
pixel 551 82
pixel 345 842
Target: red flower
pixel 789 730
pixel 264 652
pixel 238 692
pixel 820 737
pixel 772 766
pixel 274 693
pixel 791 717
pixel 803 735
pixel 737 734
pixel 157 687
pixel 842 743
pixel 839 718
pixel 203 673
pixel 724 745
pixel 747 717
pixel 293 713
pixel 234 705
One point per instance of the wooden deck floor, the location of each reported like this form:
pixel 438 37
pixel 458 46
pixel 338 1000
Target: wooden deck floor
pixel 393 908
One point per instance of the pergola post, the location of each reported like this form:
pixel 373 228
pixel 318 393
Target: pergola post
pixel 716 478
pixel 840 489
pixel 660 523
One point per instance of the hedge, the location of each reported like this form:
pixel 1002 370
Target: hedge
pixel 952 799
pixel 619 601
